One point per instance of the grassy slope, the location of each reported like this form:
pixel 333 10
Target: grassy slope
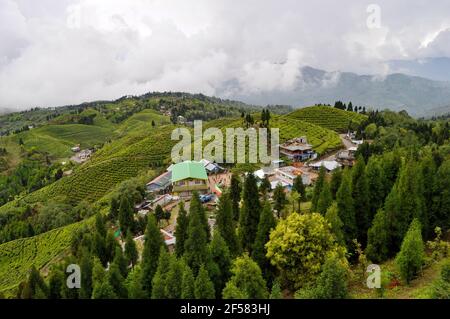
pixel 328 117
pixel 419 288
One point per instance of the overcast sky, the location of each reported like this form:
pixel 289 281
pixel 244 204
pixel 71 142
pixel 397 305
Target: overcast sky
pixel 56 52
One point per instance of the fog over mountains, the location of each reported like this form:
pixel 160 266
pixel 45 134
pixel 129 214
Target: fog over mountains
pixel 418 96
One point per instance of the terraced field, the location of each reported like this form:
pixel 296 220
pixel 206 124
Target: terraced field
pixel 57 140
pixel 327 117
pixel 18 256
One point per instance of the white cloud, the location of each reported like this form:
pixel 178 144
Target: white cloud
pixel 56 52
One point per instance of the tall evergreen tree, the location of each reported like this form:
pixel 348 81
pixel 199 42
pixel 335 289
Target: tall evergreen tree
pixel 195 247
pixel 440 214
pixel 411 257
pixel 55 283
pixel 125 214
pixel 360 191
pixel 117 281
pixel 325 199
pixel 332 217
pixel 219 267
pixel 181 230
pixel 187 284
pixel 318 189
pixel 376 182
pixel 249 219
pixel 299 187
pixel 235 193
pixel 131 252
pixel 247 279
pixel 134 284
pixel 203 288
pixel 346 208
pixel 121 261
pixel 279 199
pixel 150 255
pixel 86 267
pixel 267 222
pixel 160 278
pixel 378 238
pixel 336 179
pixel 225 223
pixel 175 278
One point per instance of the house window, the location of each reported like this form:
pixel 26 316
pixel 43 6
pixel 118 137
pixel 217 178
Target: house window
pixel 181 183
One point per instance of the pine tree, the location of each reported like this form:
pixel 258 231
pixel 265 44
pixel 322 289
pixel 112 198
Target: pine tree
pixel 116 281
pixel 195 247
pixel 125 214
pixel 276 292
pixel 159 213
pixel 318 189
pixel 249 218
pixel 299 187
pixel 160 279
pixel 203 288
pixel 134 285
pixel 35 287
pixel 360 191
pixel 235 193
pixel 121 262
pixel 264 187
pixel 346 208
pixel 197 208
pixel 440 214
pixel 219 268
pixel 411 257
pixel 246 280
pixel 150 255
pixel 86 267
pixel 376 183
pixel 114 208
pixel 103 290
pixel 331 283
pixel 187 284
pixel 332 217
pixel 336 179
pixel 225 223
pixel 55 283
pixel 100 225
pixel 325 199
pixel 181 230
pixel 131 253
pixel 267 222
pixel 175 278
pixel 279 199
pixel 378 238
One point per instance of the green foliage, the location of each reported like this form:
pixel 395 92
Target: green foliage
pixel 378 238
pixel 360 194
pixel 181 230
pixel 325 199
pixel 318 187
pixel 134 284
pixel 104 290
pixel 276 292
pixel 246 281
pixel 346 209
pixel 219 267
pixel 279 200
pixel 330 284
pixel 249 218
pixel 195 248
pixel 187 284
pixel 266 224
pixel 203 288
pixel 131 252
pixel 235 194
pixel 159 281
pixel 441 287
pixel 410 259
pixel 226 224
pixel 125 214
pixel 153 244
pixel 332 217
pixel 174 278
pixel 299 246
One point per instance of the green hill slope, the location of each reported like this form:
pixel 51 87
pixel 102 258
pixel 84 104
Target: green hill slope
pixel 328 117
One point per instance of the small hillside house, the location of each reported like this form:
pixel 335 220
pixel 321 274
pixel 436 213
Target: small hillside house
pixel 161 184
pixel 187 177
pixel 297 149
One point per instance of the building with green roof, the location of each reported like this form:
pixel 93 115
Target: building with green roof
pixel 189 176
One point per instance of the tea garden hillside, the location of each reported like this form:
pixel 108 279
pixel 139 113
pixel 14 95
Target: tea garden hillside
pixel 94 185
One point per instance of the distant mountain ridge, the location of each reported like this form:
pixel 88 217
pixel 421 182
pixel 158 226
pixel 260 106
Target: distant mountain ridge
pixel 418 96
